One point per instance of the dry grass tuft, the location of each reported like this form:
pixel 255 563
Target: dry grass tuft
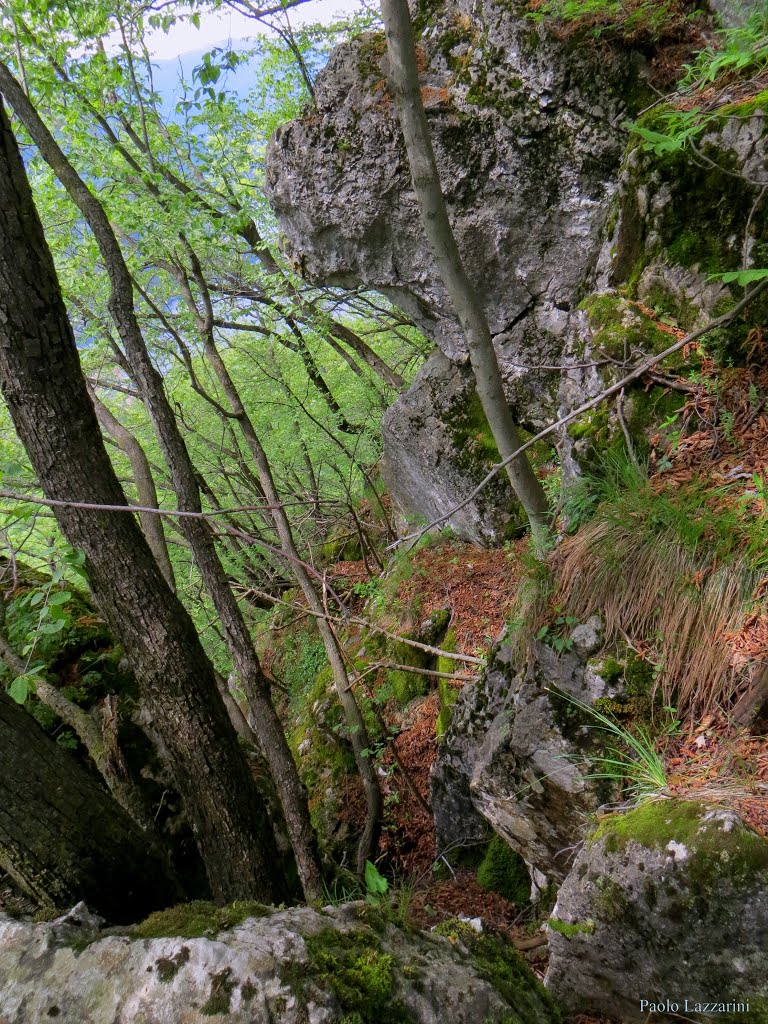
pixel 648 585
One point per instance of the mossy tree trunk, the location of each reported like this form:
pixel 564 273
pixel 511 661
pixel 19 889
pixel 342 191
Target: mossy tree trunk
pixel 46 396
pixel 62 837
pixel 404 78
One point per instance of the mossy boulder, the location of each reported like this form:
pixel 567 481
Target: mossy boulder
pixel 669 898
pixel 503 871
pixel 246 964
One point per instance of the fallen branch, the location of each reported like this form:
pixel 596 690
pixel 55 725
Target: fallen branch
pixel 358 621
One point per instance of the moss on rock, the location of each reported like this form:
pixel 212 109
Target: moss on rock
pixel 361 976
pixel 198 918
pixel 503 871
pixel 500 964
pixel 715 851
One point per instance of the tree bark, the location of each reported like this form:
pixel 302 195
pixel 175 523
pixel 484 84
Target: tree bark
pixel 406 90
pixel 46 395
pixel 62 837
pixel 145 483
pixel 197 531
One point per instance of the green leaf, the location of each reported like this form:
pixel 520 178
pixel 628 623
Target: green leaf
pixel 375 882
pixel 54 627
pixel 36 598
pixel 19 689
pixel 741 277
pixel 61 597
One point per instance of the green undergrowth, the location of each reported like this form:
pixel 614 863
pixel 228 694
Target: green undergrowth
pixel 633 22
pixel 198 918
pixel 618 492
pixel 735 63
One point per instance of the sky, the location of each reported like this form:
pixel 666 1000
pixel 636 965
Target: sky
pixel 224 26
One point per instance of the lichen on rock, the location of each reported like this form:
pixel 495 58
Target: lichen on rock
pixel 674 892
pixel 298 966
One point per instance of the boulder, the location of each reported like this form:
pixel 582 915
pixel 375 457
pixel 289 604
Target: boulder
pixel 514 760
pixel 297 966
pixel 527 137
pixel 667 903
pixel 437 448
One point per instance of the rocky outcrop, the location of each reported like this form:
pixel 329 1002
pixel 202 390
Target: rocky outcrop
pixel 297 966
pixel 668 902
pixel 528 141
pixel 510 761
pixel 527 138
pixel 437 447
pixel 550 200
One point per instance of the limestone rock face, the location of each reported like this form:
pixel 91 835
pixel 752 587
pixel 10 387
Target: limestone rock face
pixel 668 901
pixel 527 142
pixel 437 448
pixel 509 760
pixel 297 966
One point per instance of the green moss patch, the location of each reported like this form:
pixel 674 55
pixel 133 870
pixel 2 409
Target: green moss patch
pixel 714 853
pixel 198 918
pixel 358 972
pixel 570 930
pixel 504 871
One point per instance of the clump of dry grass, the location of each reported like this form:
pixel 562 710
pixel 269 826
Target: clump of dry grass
pixel 651 588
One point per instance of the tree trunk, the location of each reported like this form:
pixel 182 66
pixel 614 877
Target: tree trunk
pixel 46 395
pixel 437 227
pixel 145 483
pixel 358 733
pixel 181 468
pixel 62 837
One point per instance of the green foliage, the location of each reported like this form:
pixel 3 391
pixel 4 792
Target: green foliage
pixel 631 21
pixel 632 761
pixel 376 884
pixel 737 54
pixel 557 633
pixel 503 871
pixel 302 657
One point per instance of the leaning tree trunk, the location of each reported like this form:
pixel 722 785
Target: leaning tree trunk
pixel 196 530
pixel 151 524
pixel 46 395
pixel 62 837
pixel 404 77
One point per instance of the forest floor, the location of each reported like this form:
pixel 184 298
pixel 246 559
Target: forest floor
pixel 720 442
